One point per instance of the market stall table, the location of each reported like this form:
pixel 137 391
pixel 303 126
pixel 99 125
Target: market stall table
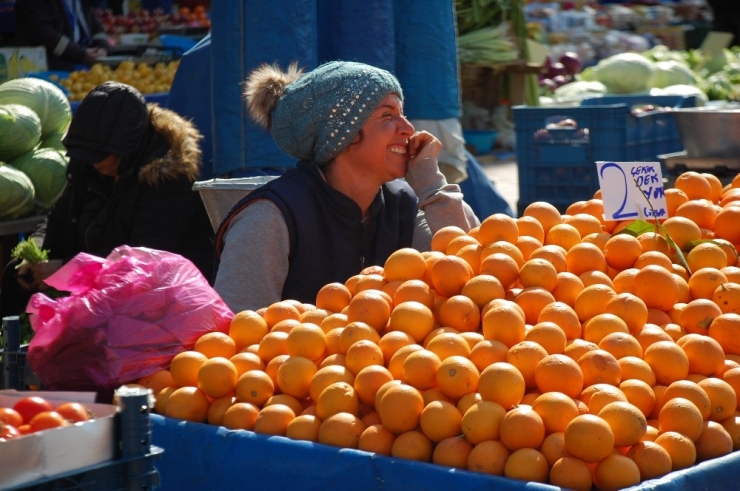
pixel 206 457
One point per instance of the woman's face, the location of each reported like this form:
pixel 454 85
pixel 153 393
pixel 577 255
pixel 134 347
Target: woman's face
pixel 381 151
pixel 108 166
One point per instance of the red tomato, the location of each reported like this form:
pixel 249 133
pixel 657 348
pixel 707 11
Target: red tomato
pixel 47 420
pixel 8 431
pixel 28 407
pixel 24 429
pixel 74 412
pixel 10 416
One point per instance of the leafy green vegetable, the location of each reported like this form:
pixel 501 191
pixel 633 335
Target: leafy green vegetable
pixel 47 169
pixel 625 73
pixel 44 98
pixel 20 131
pixel 29 252
pixel 16 193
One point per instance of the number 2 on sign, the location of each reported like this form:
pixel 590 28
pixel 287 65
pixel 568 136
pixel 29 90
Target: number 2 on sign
pixel 631 189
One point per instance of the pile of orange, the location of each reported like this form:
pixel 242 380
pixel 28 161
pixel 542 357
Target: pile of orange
pixel 547 348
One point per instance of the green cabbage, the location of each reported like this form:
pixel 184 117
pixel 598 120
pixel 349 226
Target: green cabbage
pixel 54 140
pixel 672 73
pixel 16 193
pixel 577 91
pixel 47 169
pixel 625 73
pixel 687 90
pixel 20 131
pixel 46 99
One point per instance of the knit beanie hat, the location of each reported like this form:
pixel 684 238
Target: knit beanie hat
pixel 315 116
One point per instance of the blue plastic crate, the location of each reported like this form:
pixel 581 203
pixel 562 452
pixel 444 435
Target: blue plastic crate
pixel 557 165
pixel 16 372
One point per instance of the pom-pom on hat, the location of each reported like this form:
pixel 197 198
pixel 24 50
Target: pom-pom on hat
pixel 316 115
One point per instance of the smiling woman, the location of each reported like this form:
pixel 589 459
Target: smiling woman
pixel 345 206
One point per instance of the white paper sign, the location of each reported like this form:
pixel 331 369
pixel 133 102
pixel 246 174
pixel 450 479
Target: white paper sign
pixel 626 188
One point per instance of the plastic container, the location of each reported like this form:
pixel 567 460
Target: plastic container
pixel 16 372
pixel 481 140
pixel 558 164
pixel 220 195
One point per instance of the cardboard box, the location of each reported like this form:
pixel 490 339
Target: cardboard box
pixel 17 62
pixel 47 453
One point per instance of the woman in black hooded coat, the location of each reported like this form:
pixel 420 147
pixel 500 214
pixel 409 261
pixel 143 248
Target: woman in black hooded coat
pixel 130 177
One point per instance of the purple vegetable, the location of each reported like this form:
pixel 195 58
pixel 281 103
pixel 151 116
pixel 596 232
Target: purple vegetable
pixel 556 69
pixel 571 62
pixel 548 83
pixel 559 80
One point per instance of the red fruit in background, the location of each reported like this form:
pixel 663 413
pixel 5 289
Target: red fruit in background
pixel 28 407
pixel 8 431
pixel 10 417
pixel 74 412
pixel 47 420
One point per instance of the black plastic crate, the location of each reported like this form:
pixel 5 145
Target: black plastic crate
pixel 17 374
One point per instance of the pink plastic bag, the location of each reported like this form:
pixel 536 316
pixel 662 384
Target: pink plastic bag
pixel 127 316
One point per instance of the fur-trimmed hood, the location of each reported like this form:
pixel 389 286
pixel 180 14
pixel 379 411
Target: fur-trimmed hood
pixel 184 156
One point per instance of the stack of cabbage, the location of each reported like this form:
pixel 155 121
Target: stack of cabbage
pixel 34 114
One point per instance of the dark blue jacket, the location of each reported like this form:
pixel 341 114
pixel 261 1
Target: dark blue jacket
pixel 329 241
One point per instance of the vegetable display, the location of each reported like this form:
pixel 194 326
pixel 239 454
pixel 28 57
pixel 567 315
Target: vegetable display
pixel 44 98
pixel 16 193
pixel 47 169
pixel 20 131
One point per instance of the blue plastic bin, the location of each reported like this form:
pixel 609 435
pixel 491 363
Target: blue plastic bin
pixel 557 165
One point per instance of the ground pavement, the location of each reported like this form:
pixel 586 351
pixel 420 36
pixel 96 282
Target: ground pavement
pixel 504 175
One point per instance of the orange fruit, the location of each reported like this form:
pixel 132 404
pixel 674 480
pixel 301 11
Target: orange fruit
pixel 307 340
pixel 215 344
pixel 691 391
pixel 571 473
pixel 481 422
pixel 668 361
pixel 376 439
pixel 725 329
pixel 715 184
pixel 501 383
pixel 585 257
pixel 457 376
pixel 272 345
pixel 727 297
pixel 674 198
pixel 522 427
pixel 567 289
pixel 338 397
pixel 616 472
pixel 552 253
pixel 622 282
pixel 184 368
pixel 530 227
pixel 241 416
pixel 652 460
pixel 332 321
pixel 489 457
pixel 527 464
pixel 333 297
pixel 368 381
pixel 556 410
pixel 246 361
pixel 601 325
pixel 412 445
pixel 698 315
pixel 553 447
pixel 700 211
pixel 294 376
pixel 420 369
pixel 341 430
pixel 218 408
pixel 448 344
pixel 483 288
pixel 681 449
pixel 548 335
pixel 325 376
pixel 725 226
pixel 285 400
pixel 705 354
pixel 449 274
pixel 713 442
pixel 621 251
pixel 722 396
pixel 314 316
pixel 634 368
pixel 525 356
pixel 589 438
pixel 543 212
pixel 391 342
pixel 279 311
pixel 585 223
pixel 732 377
pixel 414 290
pixel 502 267
pixel 600 367
pixel 563 235
pixel 361 354
pixel 395 364
pixel 404 264
pixel 682 416
pixel 627 422
pixel 458 243
pixel 639 394
pixel 705 281
pixel 599 239
pixel 156 382
pixel 496 227
pixel 706 255
pixel 488 352
pixel 505 323
pixel 563 316
pixel 443 236
pixel 370 307
pixel 559 373
pixel 621 344
pixel 187 403
pixel 440 420
pixel 246 328
pixel 356 331
pixel 460 313
pixel 452 452
pixel 575 348
pixel 532 300
pixel 370 281
pixel 592 300
pixel 654 258
pixel 694 185
pixel 400 408
pixel 538 272
pixel 650 334
pixel 656 287
pixel 732 426
pixel 304 427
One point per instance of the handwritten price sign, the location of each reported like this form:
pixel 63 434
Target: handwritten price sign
pixel 632 190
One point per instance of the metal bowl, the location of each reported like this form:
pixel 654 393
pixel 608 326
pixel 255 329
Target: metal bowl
pixel 709 132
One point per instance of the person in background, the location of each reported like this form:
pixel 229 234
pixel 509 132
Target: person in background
pixel 130 177
pixel 68 29
pixel 345 206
